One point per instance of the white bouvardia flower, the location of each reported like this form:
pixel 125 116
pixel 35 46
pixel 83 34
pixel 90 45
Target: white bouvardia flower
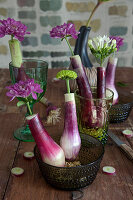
pixel 102 47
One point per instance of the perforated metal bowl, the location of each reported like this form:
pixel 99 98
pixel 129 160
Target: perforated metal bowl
pixel 119 112
pixel 71 178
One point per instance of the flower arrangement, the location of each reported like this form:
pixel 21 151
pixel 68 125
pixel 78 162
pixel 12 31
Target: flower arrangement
pixel 82 41
pixel 25 90
pixel 64 31
pixel 82 80
pixel 102 47
pixel 70 140
pixel 16 30
pixel 68 30
pixel 50 151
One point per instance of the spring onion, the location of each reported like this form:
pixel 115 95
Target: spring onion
pixel 50 151
pixel 110 77
pixel 84 89
pixel 70 140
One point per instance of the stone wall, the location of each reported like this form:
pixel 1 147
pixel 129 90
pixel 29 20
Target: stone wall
pixel 111 18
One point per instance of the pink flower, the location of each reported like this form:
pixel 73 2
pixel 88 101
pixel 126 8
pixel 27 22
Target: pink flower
pixel 24 89
pixel 35 87
pixel 14 28
pixel 119 41
pixel 65 30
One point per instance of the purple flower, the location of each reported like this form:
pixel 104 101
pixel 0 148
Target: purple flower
pixel 35 87
pixel 14 28
pixel 24 89
pixel 119 41
pixel 65 30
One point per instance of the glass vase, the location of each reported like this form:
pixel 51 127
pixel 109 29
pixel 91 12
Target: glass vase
pixel 30 69
pixel 94 122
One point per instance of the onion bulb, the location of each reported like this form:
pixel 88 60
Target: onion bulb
pixel 50 151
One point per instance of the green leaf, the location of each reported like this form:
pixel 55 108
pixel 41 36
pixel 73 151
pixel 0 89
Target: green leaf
pixel 121 84
pixel 20 103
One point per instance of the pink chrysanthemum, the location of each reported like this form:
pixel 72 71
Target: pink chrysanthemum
pixel 14 28
pixel 24 89
pixel 119 41
pixel 65 30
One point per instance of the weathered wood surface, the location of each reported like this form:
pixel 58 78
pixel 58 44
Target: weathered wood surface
pixel 32 185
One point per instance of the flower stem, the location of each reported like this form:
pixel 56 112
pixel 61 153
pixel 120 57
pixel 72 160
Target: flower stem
pixel 11 37
pixel 93 11
pixel 68 86
pixel 28 105
pixel 69 46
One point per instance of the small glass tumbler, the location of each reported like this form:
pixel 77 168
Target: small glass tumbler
pixel 92 115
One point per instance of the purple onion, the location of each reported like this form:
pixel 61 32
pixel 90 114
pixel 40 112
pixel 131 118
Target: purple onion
pixel 70 140
pixel 110 77
pixel 101 71
pixel 84 88
pixel 22 74
pixel 101 82
pixel 50 151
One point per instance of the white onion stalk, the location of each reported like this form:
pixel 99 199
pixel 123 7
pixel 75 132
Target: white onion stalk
pixel 70 140
pixel 50 151
pixel 15 51
pixel 110 77
pixel 16 57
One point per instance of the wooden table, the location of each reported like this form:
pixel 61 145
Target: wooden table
pixel 32 186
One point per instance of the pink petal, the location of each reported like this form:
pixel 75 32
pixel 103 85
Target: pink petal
pixel 34 95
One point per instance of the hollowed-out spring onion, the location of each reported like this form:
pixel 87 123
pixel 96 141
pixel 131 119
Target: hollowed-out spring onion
pixel 110 77
pixel 50 151
pixel 84 89
pixel 70 140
